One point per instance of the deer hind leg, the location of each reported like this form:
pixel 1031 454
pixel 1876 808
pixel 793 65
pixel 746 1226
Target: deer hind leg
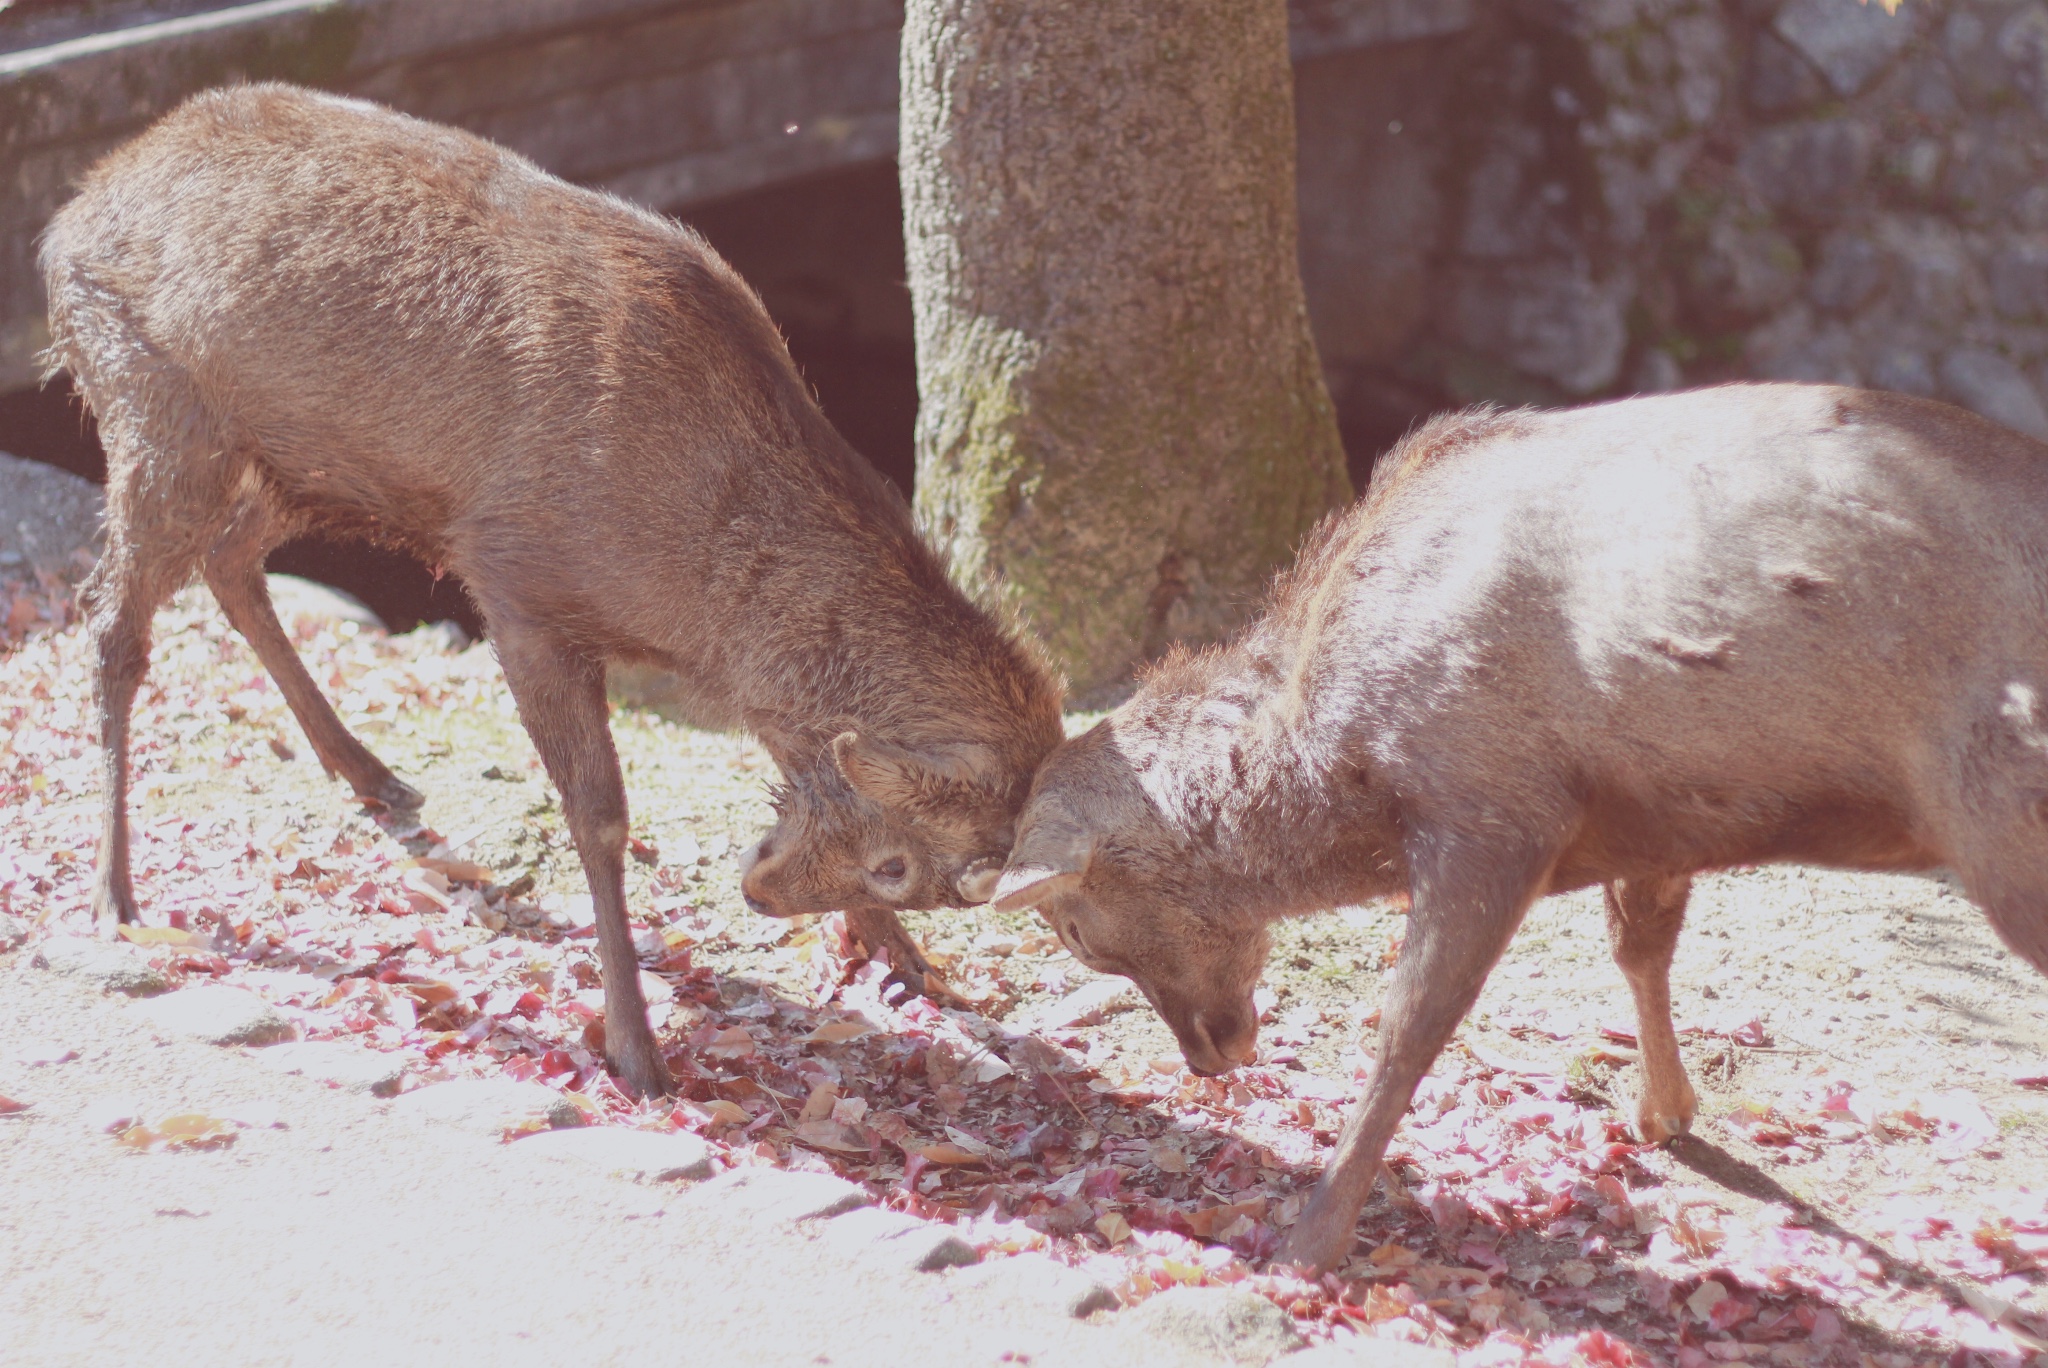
pixel 234 571
pixel 1644 917
pixel 1468 894
pixel 123 594
pixel 560 692
pixel 1995 818
pixel 164 501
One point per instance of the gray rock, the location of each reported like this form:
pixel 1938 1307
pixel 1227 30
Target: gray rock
pixel 872 1234
pixel 1793 347
pixel 1826 357
pixel 1938 282
pixel 49 520
pixel 1918 165
pixel 1933 91
pixel 1508 213
pixel 1810 165
pixel 1969 52
pixel 1657 372
pixel 1238 1326
pixel 2023 51
pixel 642 1155
pixel 1851 269
pixel 1989 163
pixel 106 965
pixel 13 931
pixel 218 1016
pixel 490 1106
pixel 1850 44
pixel 1781 81
pixel 777 1195
pixel 1905 371
pixel 339 1065
pixel 297 599
pixel 1356 1351
pixel 1743 270
pixel 1550 319
pixel 2019 278
pixel 1036 1279
pixel 2029 209
pixel 1987 383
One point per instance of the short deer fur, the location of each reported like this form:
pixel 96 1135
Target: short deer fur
pixel 1617 645
pixel 294 312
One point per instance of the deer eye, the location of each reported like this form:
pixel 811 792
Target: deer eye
pixel 891 869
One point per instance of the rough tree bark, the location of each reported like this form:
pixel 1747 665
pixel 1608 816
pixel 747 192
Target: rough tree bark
pixel 1121 411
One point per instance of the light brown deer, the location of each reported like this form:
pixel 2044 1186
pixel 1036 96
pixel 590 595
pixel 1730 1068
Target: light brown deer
pixel 1616 645
pixel 291 311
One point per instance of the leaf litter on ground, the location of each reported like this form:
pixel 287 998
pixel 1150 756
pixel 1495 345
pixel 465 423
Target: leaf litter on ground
pixel 1516 1219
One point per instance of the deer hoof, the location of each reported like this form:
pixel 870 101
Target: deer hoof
pixel 1658 1128
pixel 1319 1241
pixel 118 908
pixel 643 1070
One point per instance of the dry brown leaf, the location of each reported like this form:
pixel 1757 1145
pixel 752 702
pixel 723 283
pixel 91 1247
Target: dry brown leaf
pixel 1392 1255
pixel 838 1033
pixel 186 1130
pixel 1575 1272
pixel 1113 1227
pixel 165 935
pixel 461 871
pixel 827 1133
pixel 731 1043
pixel 946 1152
pixel 819 1104
pixel 1168 1157
pixel 1210 1222
pixel 716 1113
pixel 431 992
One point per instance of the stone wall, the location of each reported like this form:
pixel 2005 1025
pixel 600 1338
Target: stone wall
pixel 1578 198
pixel 1524 201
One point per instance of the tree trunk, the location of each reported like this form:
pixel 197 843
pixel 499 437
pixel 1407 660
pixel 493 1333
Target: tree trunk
pixel 1121 411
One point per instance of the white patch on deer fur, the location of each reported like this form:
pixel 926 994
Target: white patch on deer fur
pixel 2022 708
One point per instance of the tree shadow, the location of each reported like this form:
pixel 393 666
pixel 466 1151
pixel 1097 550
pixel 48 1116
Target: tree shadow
pixel 954 1116
pixel 1717 1165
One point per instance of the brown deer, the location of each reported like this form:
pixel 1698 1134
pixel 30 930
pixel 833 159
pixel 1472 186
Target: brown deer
pixel 293 312
pixel 1615 645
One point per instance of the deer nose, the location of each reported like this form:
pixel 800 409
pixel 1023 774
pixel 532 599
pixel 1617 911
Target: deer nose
pixel 1232 1036
pixel 754 904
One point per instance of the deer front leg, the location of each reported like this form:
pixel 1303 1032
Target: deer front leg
pixel 877 930
pixel 560 692
pixel 234 571
pixel 1467 898
pixel 1644 917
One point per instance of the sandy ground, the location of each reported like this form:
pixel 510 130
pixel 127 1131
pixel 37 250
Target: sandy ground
pixel 1870 1063
pixel 333 1232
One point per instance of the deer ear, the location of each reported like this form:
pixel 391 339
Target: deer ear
pixel 897 777
pixel 878 771
pixel 1023 886
pixel 1051 855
